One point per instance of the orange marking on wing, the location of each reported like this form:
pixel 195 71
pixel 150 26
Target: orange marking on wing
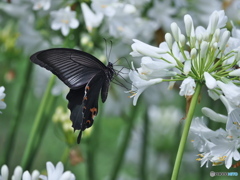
pixel 87 88
pixel 85 98
pixel 94 112
pixel 88 122
pixel 84 107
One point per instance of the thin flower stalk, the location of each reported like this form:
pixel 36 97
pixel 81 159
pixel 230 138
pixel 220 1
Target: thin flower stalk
pixel 185 132
pixel 118 161
pixel 27 156
pixel 11 136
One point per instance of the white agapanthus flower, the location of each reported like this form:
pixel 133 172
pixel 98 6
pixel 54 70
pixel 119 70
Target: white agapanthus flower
pixel 57 173
pixel 119 13
pixel 2 96
pixel 64 19
pixel 54 173
pixel 218 147
pixel 223 145
pixel 91 19
pixel 139 84
pixel 187 87
pixel 18 174
pixel 41 4
pixel 203 55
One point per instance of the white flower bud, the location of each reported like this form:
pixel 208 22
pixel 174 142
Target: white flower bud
pixel 26 175
pixel 211 82
pixel 187 67
pixel 237 56
pixel 204 48
pixel 4 172
pixel 193 53
pixel 188 24
pixel 215 45
pixel 168 39
pixel 175 31
pixel 224 39
pixel 235 72
pixel 214 22
pixel 199 37
pixel 217 34
pixel 213 115
pixel 17 175
pixel 35 175
pixel 182 40
pixel 193 41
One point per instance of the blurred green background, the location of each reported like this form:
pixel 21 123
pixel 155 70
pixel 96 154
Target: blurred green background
pixel 125 142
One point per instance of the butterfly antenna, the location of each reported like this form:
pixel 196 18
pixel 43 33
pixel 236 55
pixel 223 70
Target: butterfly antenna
pixel 105 40
pixel 109 54
pixel 120 84
pixel 79 137
pixel 124 59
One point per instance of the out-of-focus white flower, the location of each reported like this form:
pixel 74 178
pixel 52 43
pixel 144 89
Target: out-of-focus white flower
pixel 232 10
pixel 41 4
pixel 18 174
pixel 104 6
pixel 2 96
pixel 56 173
pixel 162 12
pixel 4 173
pixel 64 19
pixel 91 20
pixel 187 87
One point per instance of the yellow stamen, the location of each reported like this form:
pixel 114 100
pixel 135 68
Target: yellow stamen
pixel 217 163
pixel 103 6
pixel 65 21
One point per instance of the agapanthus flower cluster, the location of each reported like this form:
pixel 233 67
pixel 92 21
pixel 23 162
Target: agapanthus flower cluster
pixel 205 56
pixel 220 146
pixel 53 173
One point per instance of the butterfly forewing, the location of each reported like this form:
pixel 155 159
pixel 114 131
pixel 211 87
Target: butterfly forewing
pixel 73 67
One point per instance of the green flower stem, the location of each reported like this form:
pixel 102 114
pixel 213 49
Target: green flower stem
pixel 34 134
pixel 65 156
pixel 11 136
pixel 42 127
pixel 126 138
pixel 92 146
pixel 143 162
pixel 185 132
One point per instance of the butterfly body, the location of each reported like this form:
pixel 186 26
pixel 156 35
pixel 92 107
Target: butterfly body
pixel 85 75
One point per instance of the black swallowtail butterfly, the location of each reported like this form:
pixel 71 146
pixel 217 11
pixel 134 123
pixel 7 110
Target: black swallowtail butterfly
pixel 85 75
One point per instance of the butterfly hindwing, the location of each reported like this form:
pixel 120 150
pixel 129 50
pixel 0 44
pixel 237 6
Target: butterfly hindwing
pixel 90 100
pixel 75 98
pixel 74 67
